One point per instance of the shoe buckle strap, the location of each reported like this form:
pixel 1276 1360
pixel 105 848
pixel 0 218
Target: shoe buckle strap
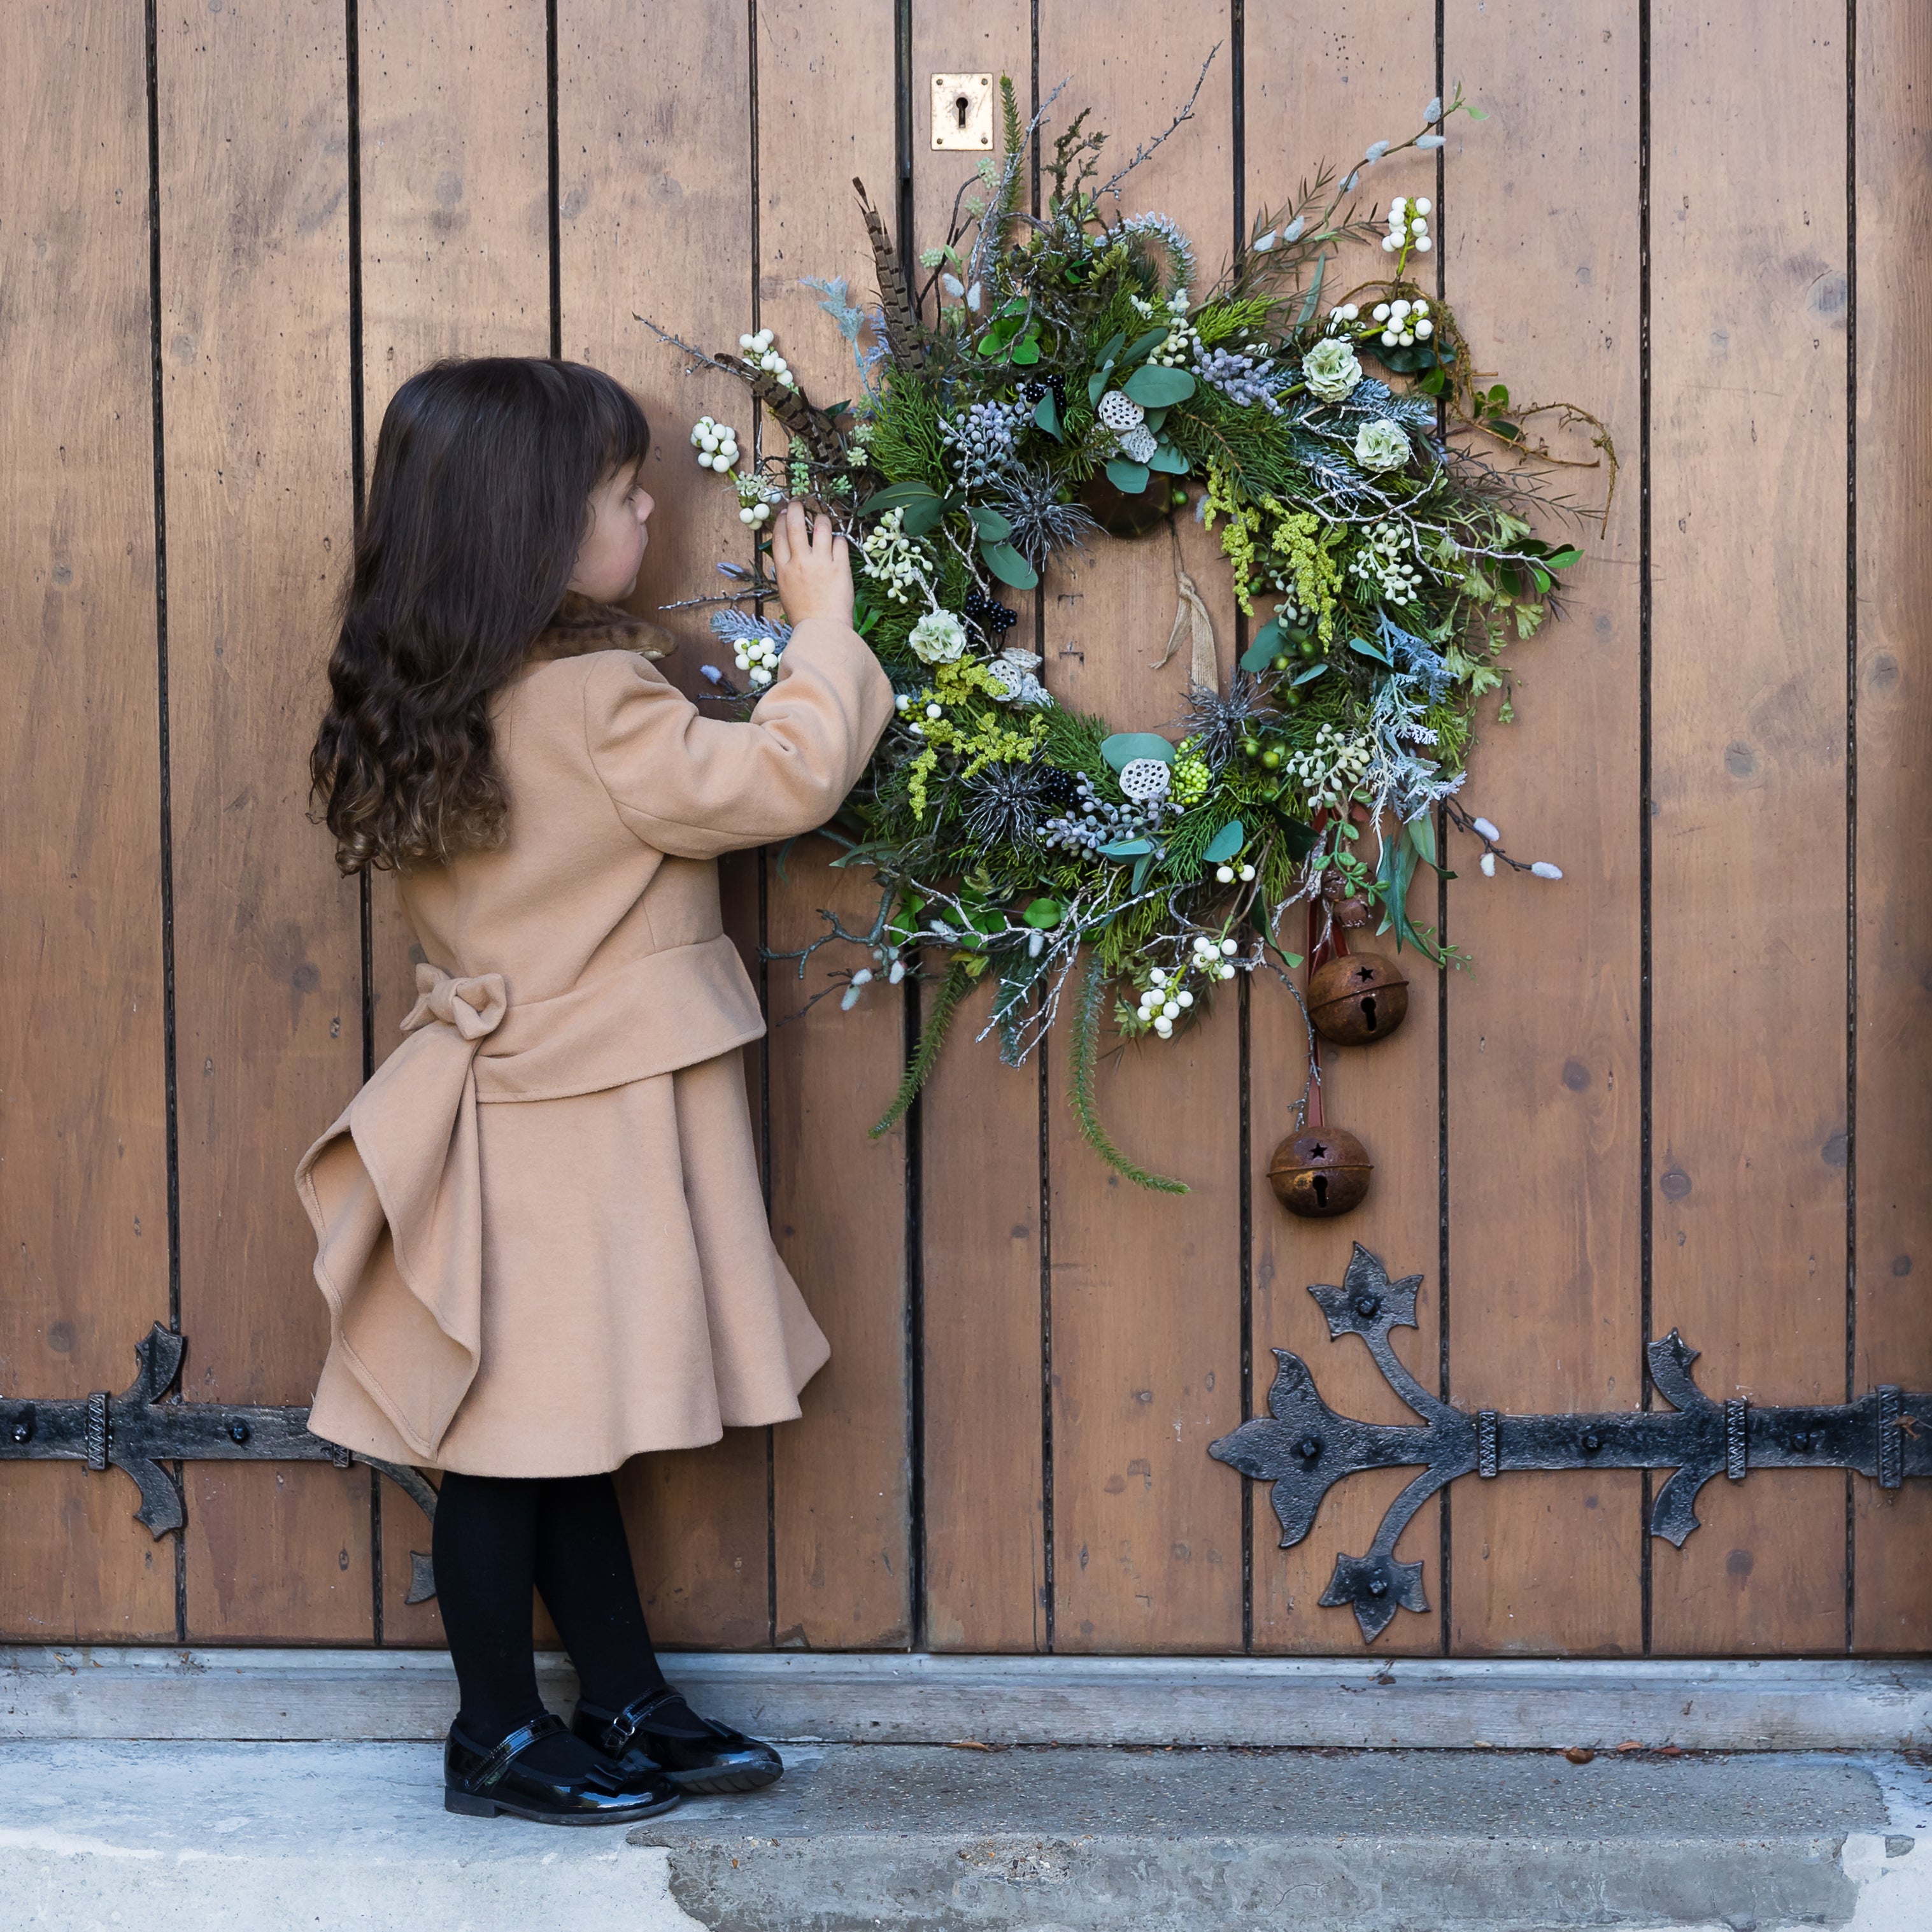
pixel 492 1767
pixel 622 1730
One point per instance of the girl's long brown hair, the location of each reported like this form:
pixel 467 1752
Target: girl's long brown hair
pixel 478 501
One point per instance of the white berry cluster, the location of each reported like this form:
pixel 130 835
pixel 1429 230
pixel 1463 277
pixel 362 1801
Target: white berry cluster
pixel 915 713
pixel 758 657
pixel 1403 322
pixel 1408 226
pixel 1228 874
pixel 759 353
pixel 1331 768
pixel 1341 315
pixel 716 444
pixel 891 557
pixel 1182 343
pixel 1383 560
pixel 1164 999
pixel 756 499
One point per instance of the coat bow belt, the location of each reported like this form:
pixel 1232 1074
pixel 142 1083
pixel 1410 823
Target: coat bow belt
pixel 394 1188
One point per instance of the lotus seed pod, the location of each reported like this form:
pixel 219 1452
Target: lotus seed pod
pixel 1139 444
pixel 1119 411
pixel 1145 779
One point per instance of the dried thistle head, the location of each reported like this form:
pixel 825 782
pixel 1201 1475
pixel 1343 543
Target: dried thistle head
pixel 1029 499
pixel 1218 722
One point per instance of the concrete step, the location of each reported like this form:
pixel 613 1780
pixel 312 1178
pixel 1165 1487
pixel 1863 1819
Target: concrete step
pixel 928 1839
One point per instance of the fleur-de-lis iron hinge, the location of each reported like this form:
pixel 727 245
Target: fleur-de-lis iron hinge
pixel 141 1432
pixel 1304 1448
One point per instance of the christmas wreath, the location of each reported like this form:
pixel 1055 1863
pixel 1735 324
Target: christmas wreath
pixel 1063 375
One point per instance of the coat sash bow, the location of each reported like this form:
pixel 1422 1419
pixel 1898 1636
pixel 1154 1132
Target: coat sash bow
pixel 394 1188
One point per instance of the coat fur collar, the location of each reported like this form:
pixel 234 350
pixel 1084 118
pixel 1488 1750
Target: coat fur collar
pixel 579 625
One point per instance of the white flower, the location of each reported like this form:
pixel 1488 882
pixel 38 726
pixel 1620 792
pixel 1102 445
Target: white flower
pixel 1544 869
pixel 1484 830
pixel 863 976
pixel 1489 865
pixel 938 637
pixel 1330 369
pixel 1292 233
pixel 1381 445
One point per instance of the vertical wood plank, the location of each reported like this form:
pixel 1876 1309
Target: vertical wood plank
pixel 1747 900
pixel 1320 91
pixel 83 1128
pixel 843 1479
pixel 453 116
pixel 654 217
pixel 1545 1069
pixel 1146 1288
pixel 1894 1534
pixel 986 1555
pixel 252 115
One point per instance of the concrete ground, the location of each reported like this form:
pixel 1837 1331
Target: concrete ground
pixel 923 1838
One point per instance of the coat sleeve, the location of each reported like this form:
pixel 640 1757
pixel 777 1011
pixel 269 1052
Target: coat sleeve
pixel 694 787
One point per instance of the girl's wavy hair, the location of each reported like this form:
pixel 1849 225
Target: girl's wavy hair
pixel 479 500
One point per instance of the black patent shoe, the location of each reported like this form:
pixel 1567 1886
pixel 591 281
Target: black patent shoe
pixel 481 1783
pixel 715 1761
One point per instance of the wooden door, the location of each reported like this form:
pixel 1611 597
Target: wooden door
pixel 1687 1088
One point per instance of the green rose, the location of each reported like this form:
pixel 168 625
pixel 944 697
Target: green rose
pixel 1330 369
pixel 939 637
pixel 1381 445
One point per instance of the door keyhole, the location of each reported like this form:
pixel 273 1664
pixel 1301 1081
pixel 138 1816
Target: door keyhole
pixel 1321 1190
pixel 962 107
pixel 1369 1012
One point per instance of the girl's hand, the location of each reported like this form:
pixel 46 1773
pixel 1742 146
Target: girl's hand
pixel 812 564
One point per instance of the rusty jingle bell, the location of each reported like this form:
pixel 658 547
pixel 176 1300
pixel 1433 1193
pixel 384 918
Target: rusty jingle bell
pixel 1321 1171
pixel 1358 998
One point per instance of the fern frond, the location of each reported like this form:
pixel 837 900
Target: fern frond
pixel 952 989
pixel 1082 1064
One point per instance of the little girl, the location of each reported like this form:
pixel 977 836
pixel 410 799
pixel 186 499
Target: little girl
pixel 539 1228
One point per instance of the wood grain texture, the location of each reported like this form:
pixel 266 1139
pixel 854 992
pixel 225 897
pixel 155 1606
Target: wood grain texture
pixel 1894 697
pixel 1146 1288
pixel 654 217
pixel 1545 1053
pixel 255 366
pixel 986 1555
pixel 843 1475
pixel 1316 91
pixel 82 1128
pixel 453 114
pixel 1748 756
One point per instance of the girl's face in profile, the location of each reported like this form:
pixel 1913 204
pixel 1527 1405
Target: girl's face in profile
pixel 608 558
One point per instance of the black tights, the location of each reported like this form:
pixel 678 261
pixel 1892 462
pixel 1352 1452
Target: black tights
pixel 498 1537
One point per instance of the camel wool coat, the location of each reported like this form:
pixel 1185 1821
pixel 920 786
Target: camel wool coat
pixel 539 1227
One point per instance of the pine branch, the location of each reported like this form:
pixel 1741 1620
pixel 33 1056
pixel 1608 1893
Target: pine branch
pixel 902 329
pixel 952 989
pixel 1083 1062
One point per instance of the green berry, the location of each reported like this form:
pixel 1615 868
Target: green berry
pixel 1271 758
pixel 1283 660
pixel 1251 748
pixel 1311 647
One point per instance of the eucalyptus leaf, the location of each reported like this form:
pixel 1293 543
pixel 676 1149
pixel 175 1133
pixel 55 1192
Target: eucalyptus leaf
pixel 1009 566
pixel 1129 478
pixel 1124 746
pixel 1421 830
pixel 1363 648
pixel 990 525
pixel 1225 843
pixel 1298 835
pixel 897 496
pixel 1309 675
pixel 1142 346
pixel 1126 848
pixel 1169 459
pixel 1261 653
pixel 1142 866
pixel 1153 388
pixel 922 515
pixel 1046 414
